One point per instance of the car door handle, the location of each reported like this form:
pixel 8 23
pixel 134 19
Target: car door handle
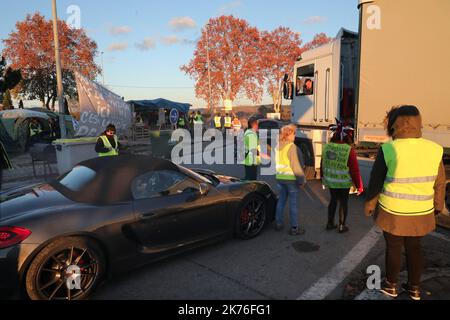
pixel 147 215
pixel 150 215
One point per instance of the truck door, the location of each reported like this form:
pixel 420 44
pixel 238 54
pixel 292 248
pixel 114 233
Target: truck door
pixel 305 111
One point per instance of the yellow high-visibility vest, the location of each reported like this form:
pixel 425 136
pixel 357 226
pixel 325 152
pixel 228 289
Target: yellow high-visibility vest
pixel 218 122
pixel 284 168
pixel 228 122
pixel 413 167
pixel 251 143
pixel 107 144
pixel 336 173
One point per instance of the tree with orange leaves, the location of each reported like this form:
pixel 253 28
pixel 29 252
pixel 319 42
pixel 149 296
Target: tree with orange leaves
pixel 30 48
pixel 280 49
pixel 319 40
pixel 233 55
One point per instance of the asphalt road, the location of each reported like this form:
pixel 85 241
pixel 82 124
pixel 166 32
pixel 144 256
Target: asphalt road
pixel 318 265
pixel 273 266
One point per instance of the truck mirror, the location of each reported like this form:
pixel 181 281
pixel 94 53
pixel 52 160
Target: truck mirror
pixel 288 89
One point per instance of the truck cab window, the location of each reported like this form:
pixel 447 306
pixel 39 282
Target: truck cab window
pixel 304 84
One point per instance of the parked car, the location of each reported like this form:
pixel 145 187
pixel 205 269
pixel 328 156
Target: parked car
pixel 112 214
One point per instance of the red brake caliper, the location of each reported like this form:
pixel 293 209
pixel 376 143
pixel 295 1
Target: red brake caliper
pixel 245 216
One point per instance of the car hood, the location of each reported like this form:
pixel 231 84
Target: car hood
pixel 30 199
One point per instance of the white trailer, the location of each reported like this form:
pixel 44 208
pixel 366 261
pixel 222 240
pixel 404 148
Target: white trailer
pixel 401 55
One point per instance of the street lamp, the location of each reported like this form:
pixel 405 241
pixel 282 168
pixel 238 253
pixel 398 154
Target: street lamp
pixel 60 89
pixel 209 71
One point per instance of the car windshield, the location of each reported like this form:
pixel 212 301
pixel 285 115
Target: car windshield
pixel 195 175
pixel 78 178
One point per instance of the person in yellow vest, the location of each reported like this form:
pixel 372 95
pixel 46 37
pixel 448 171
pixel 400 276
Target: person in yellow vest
pixel 406 190
pixel 218 122
pixel 252 150
pixel 340 171
pixel 237 125
pixel 227 122
pixel 290 176
pixel 108 143
pixel 181 121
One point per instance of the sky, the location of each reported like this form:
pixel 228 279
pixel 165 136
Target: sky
pixel 143 43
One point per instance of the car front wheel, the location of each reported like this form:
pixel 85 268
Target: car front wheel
pixel 251 217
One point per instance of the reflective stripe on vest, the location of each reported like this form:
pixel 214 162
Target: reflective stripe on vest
pixel 227 122
pixel 251 142
pixel 218 122
pixel 107 144
pixel 336 173
pixel 413 167
pixel 284 169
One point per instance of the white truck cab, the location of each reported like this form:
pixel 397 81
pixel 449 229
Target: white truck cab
pixel 324 87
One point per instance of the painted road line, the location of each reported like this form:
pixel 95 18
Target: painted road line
pixel 325 285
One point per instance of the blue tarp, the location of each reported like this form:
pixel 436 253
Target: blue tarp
pixel 144 105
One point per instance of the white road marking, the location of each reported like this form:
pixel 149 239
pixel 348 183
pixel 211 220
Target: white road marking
pixel 325 285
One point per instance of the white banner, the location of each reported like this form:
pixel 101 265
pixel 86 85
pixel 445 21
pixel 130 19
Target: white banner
pixel 100 107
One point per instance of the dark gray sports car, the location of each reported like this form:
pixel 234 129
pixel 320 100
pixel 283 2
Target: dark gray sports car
pixel 107 215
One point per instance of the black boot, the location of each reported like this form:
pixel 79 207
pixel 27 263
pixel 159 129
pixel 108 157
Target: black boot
pixel 331 225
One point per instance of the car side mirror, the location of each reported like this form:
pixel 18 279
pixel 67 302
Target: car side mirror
pixel 204 189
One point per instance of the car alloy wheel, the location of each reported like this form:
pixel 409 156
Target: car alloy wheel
pixel 67 269
pixel 61 269
pixel 252 217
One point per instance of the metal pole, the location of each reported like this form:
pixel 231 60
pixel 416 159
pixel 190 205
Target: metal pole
pixel 60 92
pixel 210 106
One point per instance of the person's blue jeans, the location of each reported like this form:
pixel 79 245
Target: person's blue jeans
pixel 287 190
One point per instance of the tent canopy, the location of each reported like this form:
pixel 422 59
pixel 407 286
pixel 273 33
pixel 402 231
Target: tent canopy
pixel 146 105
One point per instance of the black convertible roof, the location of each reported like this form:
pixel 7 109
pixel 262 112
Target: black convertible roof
pixel 139 164
pixel 114 176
